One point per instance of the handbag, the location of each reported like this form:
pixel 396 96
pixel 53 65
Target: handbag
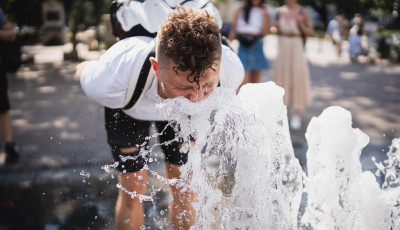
pixel 246 39
pixel 10 55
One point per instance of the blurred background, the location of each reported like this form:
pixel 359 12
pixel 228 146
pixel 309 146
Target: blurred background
pixel 58 22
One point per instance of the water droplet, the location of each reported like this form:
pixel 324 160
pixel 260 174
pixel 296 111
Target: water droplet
pixel 82 173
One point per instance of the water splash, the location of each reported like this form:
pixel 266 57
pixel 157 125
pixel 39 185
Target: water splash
pixel 391 183
pixel 392 169
pixel 340 194
pixel 243 168
pixel 82 173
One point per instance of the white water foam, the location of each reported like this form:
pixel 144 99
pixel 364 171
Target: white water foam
pixel 243 166
pixel 340 194
pixel 243 170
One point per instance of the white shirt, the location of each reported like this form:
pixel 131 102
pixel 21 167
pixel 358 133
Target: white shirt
pixel 255 23
pixel 110 79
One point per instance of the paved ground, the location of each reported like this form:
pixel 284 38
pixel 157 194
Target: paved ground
pixel 59 182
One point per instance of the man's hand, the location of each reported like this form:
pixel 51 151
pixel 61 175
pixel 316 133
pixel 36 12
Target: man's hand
pixel 79 69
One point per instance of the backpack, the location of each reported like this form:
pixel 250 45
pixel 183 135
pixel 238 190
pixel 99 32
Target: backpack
pixel 131 18
pixel 135 18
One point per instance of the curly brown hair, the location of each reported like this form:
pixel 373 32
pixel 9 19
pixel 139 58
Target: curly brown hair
pixel 191 39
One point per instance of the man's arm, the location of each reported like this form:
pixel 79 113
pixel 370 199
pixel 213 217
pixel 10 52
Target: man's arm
pixel 102 83
pixel 107 80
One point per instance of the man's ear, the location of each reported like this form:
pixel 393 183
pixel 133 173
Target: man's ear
pixel 156 69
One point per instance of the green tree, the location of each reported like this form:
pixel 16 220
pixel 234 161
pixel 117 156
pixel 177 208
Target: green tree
pixel 23 12
pixel 88 13
pixel 380 7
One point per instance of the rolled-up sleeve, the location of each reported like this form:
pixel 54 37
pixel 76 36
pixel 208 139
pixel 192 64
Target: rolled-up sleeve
pixel 107 79
pixel 101 84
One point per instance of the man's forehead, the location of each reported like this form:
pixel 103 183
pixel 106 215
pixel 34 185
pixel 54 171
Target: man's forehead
pixel 171 64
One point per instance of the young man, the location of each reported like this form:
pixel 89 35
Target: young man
pixel 190 61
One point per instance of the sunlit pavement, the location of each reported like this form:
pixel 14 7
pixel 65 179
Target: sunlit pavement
pixel 60 182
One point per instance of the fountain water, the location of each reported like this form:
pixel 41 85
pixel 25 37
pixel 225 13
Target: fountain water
pixel 340 194
pixel 244 172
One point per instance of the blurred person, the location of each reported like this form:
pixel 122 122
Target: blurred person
pixel 357 20
pixel 356 23
pixel 337 29
pixel 356 47
pixel 333 30
pixel 250 25
pixel 291 68
pixel 190 61
pixel 7 35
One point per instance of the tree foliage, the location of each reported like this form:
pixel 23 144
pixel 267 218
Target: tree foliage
pixel 28 12
pixel 380 7
pixel 23 12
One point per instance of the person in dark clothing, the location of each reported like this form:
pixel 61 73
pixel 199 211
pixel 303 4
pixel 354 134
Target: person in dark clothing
pixel 6 35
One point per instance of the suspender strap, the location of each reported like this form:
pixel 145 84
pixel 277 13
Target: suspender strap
pixel 144 72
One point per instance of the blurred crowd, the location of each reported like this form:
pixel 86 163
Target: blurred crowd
pixel 339 29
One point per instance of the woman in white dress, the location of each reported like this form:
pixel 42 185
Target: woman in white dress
pixel 290 68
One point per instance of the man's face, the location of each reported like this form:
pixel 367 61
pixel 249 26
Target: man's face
pixel 175 84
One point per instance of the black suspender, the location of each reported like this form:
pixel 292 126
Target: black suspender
pixel 141 82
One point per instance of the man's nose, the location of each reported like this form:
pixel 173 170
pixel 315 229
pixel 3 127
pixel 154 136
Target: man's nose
pixel 198 94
